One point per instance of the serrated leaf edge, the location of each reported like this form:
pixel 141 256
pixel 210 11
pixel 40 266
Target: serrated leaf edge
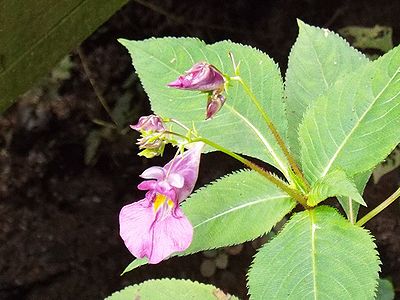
pixel 373 239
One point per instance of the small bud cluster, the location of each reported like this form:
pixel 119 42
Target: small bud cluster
pixel 153 138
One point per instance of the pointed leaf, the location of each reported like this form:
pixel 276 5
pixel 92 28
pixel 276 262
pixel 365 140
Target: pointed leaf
pixel 318 255
pixel 235 209
pixel 318 58
pixel 135 264
pixel 177 289
pixel 355 124
pixel 160 61
pixel 350 206
pixel 335 183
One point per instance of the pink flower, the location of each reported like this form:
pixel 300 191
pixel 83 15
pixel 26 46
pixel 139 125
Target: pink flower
pixel 201 77
pixel 156 227
pixel 149 123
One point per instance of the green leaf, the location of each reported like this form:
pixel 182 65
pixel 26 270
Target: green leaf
pixel 177 289
pixel 318 255
pixel 36 35
pixel 355 124
pixel 237 208
pixel 350 206
pixel 160 61
pixel 135 264
pixel 317 60
pixel 335 183
pixel 385 290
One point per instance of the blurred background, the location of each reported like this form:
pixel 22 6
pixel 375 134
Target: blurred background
pixel 67 166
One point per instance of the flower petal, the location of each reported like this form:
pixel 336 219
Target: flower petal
pixel 176 180
pixel 173 233
pixel 187 165
pixel 151 236
pixel 147 185
pixel 153 173
pixel 135 221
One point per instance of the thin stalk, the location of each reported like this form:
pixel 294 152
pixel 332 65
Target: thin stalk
pixel 299 197
pixel 96 90
pixel 379 208
pixel 275 133
pixel 177 123
pixel 279 183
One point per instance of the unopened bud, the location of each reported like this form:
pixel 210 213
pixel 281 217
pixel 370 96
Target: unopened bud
pixel 201 77
pixel 214 104
pixel 152 138
pixel 149 123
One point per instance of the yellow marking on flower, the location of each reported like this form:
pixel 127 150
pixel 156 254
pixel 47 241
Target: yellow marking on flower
pixel 170 203
pixel 160 200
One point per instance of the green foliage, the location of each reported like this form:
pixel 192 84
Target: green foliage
pixel 220 218
pixel 166 288
pixel 335 183
pixel 385 290
pixel 348 108
pixel 354 125
pixel 138 262
pixel 350 206
pixel 318 255
pixel 30 47
pixel 317 60
pixel 160 61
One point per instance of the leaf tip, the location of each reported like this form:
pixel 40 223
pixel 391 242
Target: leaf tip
pixel 300 23
pixel 123 42
pixel 135 264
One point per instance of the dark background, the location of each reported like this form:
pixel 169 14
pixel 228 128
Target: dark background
pixel 59 215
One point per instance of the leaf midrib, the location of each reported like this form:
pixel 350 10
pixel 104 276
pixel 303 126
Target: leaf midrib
pixel 244 205
pixel 313 253
pixel 343 144
pixel 271 151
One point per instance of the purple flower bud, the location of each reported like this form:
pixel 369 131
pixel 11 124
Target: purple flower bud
pixel 214 104
pixel 201 77
pixel 149 123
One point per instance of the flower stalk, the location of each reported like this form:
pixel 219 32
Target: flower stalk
pixel 274 132
pixel 379 208
pixel 295 194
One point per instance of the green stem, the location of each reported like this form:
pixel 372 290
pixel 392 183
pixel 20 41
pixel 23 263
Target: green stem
pixel 379 208
pixel 279 183
pixel 275 133
pixel 177 123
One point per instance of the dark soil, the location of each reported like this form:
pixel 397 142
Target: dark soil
pixel 59 216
